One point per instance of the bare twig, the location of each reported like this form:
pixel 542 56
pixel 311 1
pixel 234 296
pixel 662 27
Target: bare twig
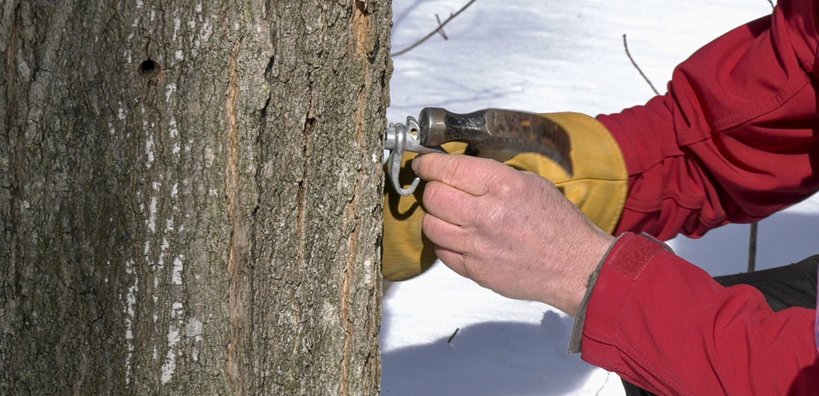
pixel 752 247
pixel 754 225
pixel 432 33
pixel 440 28
pixel 600 391
pixel 625 45
pixel 453 335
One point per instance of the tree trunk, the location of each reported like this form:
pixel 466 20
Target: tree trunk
pixel 190 196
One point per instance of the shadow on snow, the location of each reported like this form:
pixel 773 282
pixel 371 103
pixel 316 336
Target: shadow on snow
pixel 488 359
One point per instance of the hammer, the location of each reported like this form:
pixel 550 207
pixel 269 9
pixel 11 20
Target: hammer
pixel 491 133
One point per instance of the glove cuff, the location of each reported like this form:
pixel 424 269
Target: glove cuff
pixel 600 183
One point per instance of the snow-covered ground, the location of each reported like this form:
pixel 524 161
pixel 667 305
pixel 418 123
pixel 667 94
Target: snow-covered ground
pixel 557 55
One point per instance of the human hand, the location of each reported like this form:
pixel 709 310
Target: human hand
pixel 512 232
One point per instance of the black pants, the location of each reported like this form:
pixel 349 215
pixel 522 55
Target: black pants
pixel 783 287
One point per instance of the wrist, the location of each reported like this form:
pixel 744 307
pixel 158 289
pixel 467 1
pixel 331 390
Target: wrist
pixel 590 257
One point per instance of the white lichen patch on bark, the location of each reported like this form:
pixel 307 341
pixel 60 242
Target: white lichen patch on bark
pixel 176 276
pixel 169 91
pixel 152 209
pixel 149 148
pixel 169 366
pixel 176 24
pixel 193 328
pixel 130 302
pixel 172 129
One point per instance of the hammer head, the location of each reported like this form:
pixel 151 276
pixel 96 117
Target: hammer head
pixel 491 133
pixel 497 134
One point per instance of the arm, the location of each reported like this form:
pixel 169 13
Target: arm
pixel 736 137
pixel 665 325
pixel 652 317
pixel 655 319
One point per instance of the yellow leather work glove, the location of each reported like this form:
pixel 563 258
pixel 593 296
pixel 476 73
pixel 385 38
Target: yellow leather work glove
pixel 598 187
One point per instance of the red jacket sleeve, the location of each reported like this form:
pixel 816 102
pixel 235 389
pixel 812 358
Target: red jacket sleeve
pixel 736 137
pixel 664 324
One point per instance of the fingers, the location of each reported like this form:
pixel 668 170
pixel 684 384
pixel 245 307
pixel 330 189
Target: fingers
pixel 452 259
pixel 445 234
pixel 469 174
pixel 448 240
pixel 448 204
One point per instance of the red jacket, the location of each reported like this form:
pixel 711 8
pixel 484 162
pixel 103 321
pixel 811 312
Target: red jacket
pixel 735 139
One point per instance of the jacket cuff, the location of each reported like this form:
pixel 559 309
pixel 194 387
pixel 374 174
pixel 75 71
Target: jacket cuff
pixel 575 342
pixel 627 255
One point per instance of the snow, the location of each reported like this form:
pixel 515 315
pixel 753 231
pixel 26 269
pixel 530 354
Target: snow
pixel 559 55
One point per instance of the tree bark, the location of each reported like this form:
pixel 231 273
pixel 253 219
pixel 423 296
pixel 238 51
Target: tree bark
pixel 190 196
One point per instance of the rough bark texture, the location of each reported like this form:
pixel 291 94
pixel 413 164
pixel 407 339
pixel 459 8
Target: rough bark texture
pixel 190 196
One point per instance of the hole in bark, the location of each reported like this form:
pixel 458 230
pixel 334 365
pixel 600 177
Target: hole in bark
pixel 268 71
pixel 362 6
pixel 374 54
pixel 148 69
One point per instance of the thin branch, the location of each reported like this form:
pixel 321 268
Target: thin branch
pixel 432 33
pixel 440 28
pixel 755 225
pixel 752 247
pixel 625 45
pixel 452 336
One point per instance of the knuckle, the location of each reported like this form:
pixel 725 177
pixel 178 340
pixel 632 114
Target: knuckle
pixel 506 188
pixel 437 196
pixel 505 184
